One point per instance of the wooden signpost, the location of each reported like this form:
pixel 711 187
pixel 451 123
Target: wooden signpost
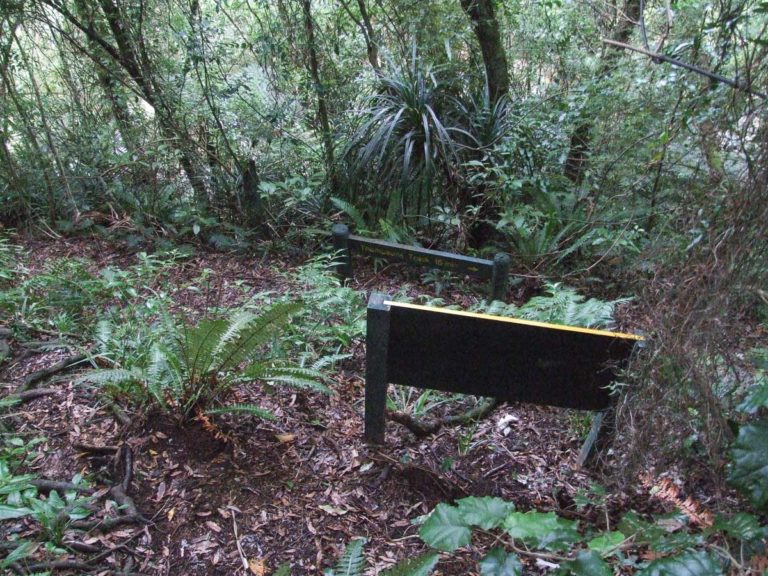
pixel 496 270
pixel 504 358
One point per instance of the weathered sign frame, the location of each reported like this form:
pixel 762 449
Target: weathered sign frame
pixel 496 270
pixel 505 358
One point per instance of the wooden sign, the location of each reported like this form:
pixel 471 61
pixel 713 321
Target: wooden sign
pixel 496 270
pixel 504 358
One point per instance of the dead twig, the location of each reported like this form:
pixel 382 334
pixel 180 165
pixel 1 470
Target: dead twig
pixel 95 449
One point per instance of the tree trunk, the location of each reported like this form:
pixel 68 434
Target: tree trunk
pixel 486 28
pixel 581 137
pixel 322 100
pixel 130 54
pixel 9 90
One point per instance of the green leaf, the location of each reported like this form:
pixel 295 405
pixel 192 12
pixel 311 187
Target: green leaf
pixel 586 564
pixel 11 512
pixel 499 562
pixel 419 566
pixel 606 543
pixel 541 530
pixel 749 471
pixel 486 512
pixel 445 529
pixel 689 564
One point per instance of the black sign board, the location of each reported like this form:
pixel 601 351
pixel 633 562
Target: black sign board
pixel 505 358
pixel 496 270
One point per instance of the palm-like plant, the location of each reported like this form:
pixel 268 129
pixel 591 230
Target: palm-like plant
pixel 196 367
pixel 408 139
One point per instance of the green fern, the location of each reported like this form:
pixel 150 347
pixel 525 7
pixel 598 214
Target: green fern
pixel 559 305
pixel 419 566
pixel 251 409
pixel 563 305
pixel 352 561
pixel 352 212
pixel 195 367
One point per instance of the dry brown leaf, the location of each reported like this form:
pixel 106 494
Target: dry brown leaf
pixel 257 567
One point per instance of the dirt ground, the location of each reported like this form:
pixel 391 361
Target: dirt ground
pixel 245 496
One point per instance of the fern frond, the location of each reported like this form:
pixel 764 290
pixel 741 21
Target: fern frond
pixel 352 212
pixel 291 375
pixel 238 323
pixel 259 331
pixel 329 360
pixel 419 566
pixel 241 408
pixel 111 376
pixel 199 345
pixel 158 374
pixel 352 561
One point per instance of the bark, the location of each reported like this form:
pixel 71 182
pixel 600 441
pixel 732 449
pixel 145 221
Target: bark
pixel 321 94
pixel 52 147
pixel 581 137
pixel 129 53
pixel 486 28
pixel 29 129
pixel 369 35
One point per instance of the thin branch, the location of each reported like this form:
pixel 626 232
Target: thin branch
pixel 663 58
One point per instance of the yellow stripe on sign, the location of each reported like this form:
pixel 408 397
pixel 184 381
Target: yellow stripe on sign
pixel 515 321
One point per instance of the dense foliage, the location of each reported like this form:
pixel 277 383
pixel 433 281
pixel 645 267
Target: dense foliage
pixel 621 147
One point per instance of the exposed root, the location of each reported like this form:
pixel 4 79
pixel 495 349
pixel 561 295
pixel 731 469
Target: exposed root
pixel 44 485
pixel 28 395
pixel 32 379
pixel 422 428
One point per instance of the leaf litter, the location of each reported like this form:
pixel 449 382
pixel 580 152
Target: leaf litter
pixel 298 489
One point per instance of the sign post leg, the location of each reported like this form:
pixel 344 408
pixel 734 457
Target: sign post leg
pixel 376 380
pixel 500 276
pixel 588 447
pixel 340 234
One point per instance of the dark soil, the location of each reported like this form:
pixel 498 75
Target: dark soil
pixel 243 496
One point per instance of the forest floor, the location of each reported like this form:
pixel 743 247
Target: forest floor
pixel 250 495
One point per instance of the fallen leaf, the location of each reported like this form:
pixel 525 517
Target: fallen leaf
pixel 213 526
pixel 285 438
pixel 333 510
pixel 257 567
pixel 171 514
